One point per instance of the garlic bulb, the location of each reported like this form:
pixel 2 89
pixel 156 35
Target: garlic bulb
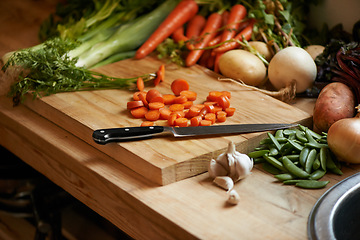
pixel 231 163
pixel 224 182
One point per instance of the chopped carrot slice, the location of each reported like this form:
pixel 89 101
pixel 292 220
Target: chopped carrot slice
pixel 203 111
pixel 213 96
pixel 152 115
pixel 211 117
pixel 160 75
pixel 217 108
pixel 227 93
pixel 147 124
pixel 230 111
pixel 190 95
pixel 176 107
pixel 179 113
pixel 181 122
pixel 169 99
pixel 199 105
pixel 193 111
pixel 152 93
pixel 142 97
pixel 195 121
pixel 134 104
pixel 210 108
pixel 139 112
pixel 224 101
pixel 171 119
pixel 156 105
pixel 187 104
pixel 165 113
pixel 179 85
pixel 205 123
pixel 140 84
pixel 180 99
pixel 221 116
pixel 158 98
pixel 136 95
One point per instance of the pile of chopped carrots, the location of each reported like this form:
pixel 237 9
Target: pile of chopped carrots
pixel 178 108
pixel 206 38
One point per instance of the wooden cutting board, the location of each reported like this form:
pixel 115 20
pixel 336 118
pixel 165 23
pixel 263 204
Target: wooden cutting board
pixel 162 160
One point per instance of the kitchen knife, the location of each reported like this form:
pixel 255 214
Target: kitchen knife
pixel 103 136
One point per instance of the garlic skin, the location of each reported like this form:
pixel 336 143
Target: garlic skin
pixel 231 163
pixel 224 182
pixel 234 197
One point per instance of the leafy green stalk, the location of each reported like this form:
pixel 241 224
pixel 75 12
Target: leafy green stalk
pixel 128 38
pixel 50 70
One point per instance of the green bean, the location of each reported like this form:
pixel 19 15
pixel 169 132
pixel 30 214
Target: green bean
pixel 317 174
pixel 303 156
pixel 293 169
pixel 274 141
pixel 316 163
pixel 279 133
pixel 296 145
pixel 276 163
pixel 270 168
pixel 323 155
pixel 310 160
pixel 311 184
pixel 284 176
pixel 300 135
pixel 259 153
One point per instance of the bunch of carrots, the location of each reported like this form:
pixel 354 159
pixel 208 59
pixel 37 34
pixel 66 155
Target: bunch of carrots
pixel 206 38
pixel 178 108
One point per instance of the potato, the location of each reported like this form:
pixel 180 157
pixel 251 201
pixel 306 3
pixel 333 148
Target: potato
pixel 289 64
pixel 262 48
pixel 243 65
pixel 335 101
pixel 314 50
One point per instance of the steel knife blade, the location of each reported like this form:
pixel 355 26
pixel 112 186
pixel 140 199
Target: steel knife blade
pixel 103 136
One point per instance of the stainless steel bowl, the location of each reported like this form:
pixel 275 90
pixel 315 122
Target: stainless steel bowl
pixel 336 215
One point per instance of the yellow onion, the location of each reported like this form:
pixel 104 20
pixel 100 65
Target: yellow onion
pixel 344 139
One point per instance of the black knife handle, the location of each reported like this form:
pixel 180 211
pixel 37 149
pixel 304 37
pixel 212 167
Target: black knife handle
pixel 103 136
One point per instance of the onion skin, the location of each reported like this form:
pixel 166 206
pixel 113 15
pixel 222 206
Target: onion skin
pixel 344 139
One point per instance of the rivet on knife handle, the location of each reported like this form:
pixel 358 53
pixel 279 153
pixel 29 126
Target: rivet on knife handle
pixel 103 136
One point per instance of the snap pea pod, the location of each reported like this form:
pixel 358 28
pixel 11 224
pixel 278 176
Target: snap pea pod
pixel 276 163
pixel 300 135
pixel 259 153
pixel 270 168
pixel 316 163
pixel 311 141
pixel 316 175
pixel 279 133
pixel 322 156
pixel 284 176
pixel 310 160
pixel 296 145
pixel 274 141
pixel 311 184
pixel 293 169
pixel 303 156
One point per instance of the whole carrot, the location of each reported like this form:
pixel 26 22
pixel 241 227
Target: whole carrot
pixel 212 24
pixel 237 13
pixel 244 34
pixel 195 26
pixel 182 13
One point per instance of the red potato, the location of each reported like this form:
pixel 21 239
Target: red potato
pixel 335 101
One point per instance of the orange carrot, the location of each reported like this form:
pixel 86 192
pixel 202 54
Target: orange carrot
pixel 136 95
pixel 160 75
pixel 139 112
pixel 195 26
pixel 179 85
pixel 152 115
pixel 178 35
pixel 180 99
pixel 165 113
pixel 226 93
pixel 190 95
pixel 202 112
pixel 210 108
pixel 216 62
pixel 171 119
pixel 195 121
pixel 193 111
pixel 179 113
pixel 244 34
pixel 203 61
pixel 224 102
pixel 205 123
pixel 169 99
pixel 213 96
pixel 147 124
pixel 156 105
pixel 237 13
pixel 140 84
pixel 210 117
pixel 221 116
pixel 142 97
pixel 134 104
pixel 176 107
pixel 181 14
pixel 187 104
pixel 214 41
pixel 230 111
pixel 151 94
pixel 210 30
pixel 181 122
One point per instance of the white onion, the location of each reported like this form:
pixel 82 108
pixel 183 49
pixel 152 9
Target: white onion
pixel 344 139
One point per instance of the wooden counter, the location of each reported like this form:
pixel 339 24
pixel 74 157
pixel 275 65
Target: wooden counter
pixel 193 208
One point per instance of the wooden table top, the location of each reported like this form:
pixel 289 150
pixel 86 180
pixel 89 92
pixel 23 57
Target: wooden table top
pixel 193 208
